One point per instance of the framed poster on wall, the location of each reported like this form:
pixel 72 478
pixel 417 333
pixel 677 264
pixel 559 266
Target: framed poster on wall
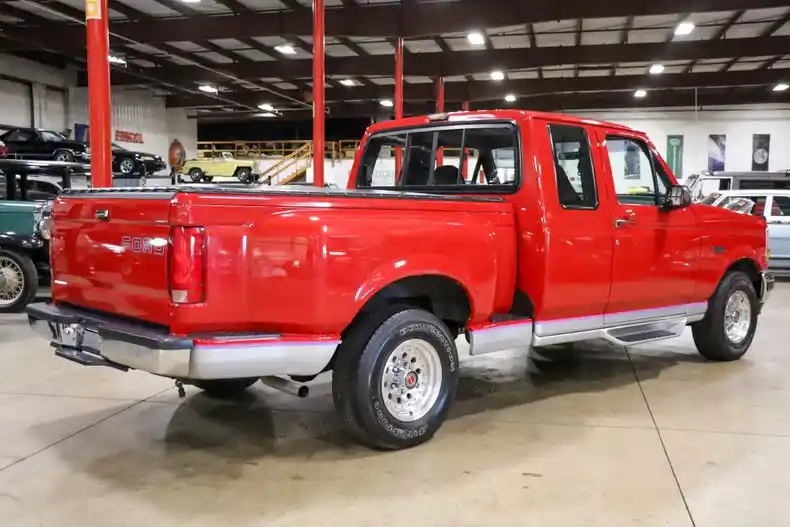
pixel 717 152
pixel 761 149
pixel 675 155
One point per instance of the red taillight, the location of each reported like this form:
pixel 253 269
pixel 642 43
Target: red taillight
pixel 187 265
pixel 3 149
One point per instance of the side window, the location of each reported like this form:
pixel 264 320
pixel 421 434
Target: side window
pixel 378 163
pixel 19 136
pixel 573 167
pixel 782 203
pixel 635 180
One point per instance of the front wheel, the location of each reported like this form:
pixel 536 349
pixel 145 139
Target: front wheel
pixel 63 155
pixel 18 281
pixel 728 328
pixel 244 175
pixel 196 175
pixel 395 378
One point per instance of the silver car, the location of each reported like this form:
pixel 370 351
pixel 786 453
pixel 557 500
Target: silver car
pixel 774 205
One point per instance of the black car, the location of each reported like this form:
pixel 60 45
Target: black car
pixel 33 143
pixel 128 163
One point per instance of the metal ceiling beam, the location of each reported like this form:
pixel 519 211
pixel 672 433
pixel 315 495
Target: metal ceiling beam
pixel 556 103
pixel 404 20
pixel 529 88
pixel 483 61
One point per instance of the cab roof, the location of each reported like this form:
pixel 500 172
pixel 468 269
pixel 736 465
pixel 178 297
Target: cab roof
pixel 508 115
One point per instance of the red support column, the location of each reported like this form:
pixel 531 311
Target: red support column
pixel 319 108
pixel 465 165
pixel 440 109
pixel 398 96
pixel 98 43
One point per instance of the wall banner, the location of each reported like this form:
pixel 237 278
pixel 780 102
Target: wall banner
pixel 761 149
pixel 675 155
pixel 717 152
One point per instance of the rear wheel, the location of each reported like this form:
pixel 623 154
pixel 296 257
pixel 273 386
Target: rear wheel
pixel 225 388
pixel 243 174
pixel 395 378
pixel 728 328
pixel 18 281
pixel 195 174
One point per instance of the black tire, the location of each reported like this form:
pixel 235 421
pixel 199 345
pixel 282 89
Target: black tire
pixel 196 175
pixel 63 155
pixel 360 365
pixel 30 277
pixel 710 335
pixel 243 174
pixel 225 388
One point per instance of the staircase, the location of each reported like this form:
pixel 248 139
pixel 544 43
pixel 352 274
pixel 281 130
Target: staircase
pixel 290 168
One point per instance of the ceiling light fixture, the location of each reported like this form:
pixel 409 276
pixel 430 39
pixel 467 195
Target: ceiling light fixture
pixel 497 75
pixel 656 69
pixel 265 114
pixel 266 107
pixel 348 82
pixel 116 60
pixel 191 1
pixel 783 86
pixel 510 97
pixel 208 89
pixel 387 103
pixel 476 38
pixel 684 28
pixel 286 49
pixel 639 94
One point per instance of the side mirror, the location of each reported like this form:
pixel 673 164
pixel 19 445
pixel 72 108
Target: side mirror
pixel 677 197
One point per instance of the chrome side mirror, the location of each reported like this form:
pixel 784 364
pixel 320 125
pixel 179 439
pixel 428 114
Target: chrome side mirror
pixel 677 197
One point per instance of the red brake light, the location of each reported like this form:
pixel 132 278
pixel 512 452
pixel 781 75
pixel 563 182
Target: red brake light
pixel 187 265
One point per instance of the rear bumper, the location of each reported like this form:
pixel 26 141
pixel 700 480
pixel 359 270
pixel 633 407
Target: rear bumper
pixel 96 340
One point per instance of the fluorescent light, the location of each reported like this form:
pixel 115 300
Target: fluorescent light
pixel 497 75
pixel 639 94
pixel 265 114
pixel 286 49
pixel 191 1
pixel 208 89
pixel 684 28
pixel 116 60
pixel 387 103
pixel 510 97
pixel 476 38
pixel 348 82
pixel 266 107
pixel 657 69
pixel 781 86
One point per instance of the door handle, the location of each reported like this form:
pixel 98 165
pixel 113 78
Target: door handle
pixel 619 222
pixel 102 214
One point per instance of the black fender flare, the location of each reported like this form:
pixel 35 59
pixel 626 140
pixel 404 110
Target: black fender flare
pixel 22 242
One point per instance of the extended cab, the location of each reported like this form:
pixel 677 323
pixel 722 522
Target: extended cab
pixel 514 229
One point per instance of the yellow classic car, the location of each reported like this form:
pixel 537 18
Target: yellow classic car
pixel 220 164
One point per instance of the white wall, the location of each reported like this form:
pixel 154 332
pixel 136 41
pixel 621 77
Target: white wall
pixel 737 123
pixel 32 94
pixel 141 111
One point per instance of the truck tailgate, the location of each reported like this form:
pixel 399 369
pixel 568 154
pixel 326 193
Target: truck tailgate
pixel 109 253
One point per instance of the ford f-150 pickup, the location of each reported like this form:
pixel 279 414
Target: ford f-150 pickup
pixel 514 229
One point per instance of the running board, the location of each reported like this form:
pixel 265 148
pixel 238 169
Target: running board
pixel 649 332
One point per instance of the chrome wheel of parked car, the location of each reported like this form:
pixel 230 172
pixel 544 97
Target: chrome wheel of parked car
pixel 12 281
pixel 737 317
pixel 196 175
pixel 64 156
pixel 411 380
pixel 127 165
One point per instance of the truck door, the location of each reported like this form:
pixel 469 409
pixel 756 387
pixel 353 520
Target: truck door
pixel 655 249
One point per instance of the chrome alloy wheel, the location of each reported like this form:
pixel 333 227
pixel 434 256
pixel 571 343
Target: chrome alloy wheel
pixel 127 165
pixel 737 317
pixel 411 380
pixel 12 281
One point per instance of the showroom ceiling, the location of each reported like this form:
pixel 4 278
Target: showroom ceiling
pixel 548 55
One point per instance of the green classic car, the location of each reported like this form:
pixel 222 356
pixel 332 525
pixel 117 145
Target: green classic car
pixel 26 191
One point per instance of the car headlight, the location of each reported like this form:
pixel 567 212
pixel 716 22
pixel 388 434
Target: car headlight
pixel 45 228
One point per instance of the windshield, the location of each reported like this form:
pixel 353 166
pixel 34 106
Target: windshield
pixel 711 198
pixel 48 135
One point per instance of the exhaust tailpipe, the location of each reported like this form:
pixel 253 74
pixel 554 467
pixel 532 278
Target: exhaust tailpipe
pixel 287 386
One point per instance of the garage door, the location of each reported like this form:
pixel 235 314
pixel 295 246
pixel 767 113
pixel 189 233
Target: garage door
pixel 53 113
pixel 15 103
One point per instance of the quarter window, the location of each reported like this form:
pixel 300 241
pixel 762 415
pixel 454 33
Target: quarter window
pixel 573 167
pixel 636 182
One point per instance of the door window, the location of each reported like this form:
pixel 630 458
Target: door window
pixel 19 136
pixel 573 167
pixel 781 206
pixel 636 181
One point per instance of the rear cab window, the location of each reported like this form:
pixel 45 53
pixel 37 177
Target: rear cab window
pixel 479 157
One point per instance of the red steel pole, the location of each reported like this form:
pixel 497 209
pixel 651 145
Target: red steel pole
pixel 98 43
pixel 398 96
pixel 318 93
pixel 440 109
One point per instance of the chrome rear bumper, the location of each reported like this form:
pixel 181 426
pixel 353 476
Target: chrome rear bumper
pixel 95 340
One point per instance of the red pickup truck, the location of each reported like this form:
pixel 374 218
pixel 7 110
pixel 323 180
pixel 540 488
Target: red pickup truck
pixel 515 229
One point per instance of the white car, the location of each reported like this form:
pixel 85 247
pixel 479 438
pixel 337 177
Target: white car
pixel 774 205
